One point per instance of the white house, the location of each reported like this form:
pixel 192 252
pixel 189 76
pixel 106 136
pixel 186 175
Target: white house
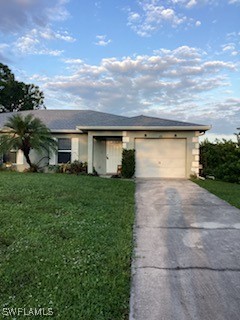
pixel 164 148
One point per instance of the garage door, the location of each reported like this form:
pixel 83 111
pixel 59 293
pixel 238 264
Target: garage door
pixel 160 158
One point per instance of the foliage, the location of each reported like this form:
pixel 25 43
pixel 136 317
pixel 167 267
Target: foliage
pixel 229 192
pixel 221 159
pixel 34 168
pixel 54 168
pixel 26 134
pixel 8 166
pixel 66 244
pixel 76 167
pixel 17 96
pixel 128 163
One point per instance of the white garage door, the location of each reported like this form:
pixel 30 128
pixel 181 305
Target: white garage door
pixel 160 158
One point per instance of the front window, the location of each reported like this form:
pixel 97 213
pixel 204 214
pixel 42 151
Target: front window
pixel 64 150
pixel 10 157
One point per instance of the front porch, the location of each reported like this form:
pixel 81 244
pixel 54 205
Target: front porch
pixel 104 153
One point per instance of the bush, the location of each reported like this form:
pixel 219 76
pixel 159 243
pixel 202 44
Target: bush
pixel 76 167
pixel 34 168
pixel 128 163
pixel 221 159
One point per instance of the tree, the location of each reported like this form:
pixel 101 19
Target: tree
pixel 221 159
pixel 25 134
pixel 17 96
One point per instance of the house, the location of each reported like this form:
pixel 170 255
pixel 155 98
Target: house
pixel 164 148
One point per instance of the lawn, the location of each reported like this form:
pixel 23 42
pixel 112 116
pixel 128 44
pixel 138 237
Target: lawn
pixel 229 192
pixel 65 244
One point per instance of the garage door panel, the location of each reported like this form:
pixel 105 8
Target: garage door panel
pixel 164 158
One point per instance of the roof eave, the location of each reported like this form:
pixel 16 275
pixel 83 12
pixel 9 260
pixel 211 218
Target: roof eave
pixel 144 128
pixel 64 131
pixel 3 130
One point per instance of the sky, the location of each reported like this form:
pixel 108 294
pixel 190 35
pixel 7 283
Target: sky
pixel 173 59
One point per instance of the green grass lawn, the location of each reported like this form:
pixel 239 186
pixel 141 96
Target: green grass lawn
pixel 229 192
pixel 65 244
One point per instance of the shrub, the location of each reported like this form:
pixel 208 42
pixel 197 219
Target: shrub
pixel 54 168
pixel 34 168
pixel 77 167
pixel 221 159
pixel 128 163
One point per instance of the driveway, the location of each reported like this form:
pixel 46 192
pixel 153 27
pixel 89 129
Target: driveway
pixel 187 254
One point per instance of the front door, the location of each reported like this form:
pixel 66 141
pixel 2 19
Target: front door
pixel 114 155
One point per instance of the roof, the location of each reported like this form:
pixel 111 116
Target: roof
pixel 71 120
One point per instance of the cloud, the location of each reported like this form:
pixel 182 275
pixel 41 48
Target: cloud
pixel 102 41
pixel 234 1
pixel 30 24
pixel 73 61
pixel 49 34
pixel 18 15
pixel 152 16
pixel 181 83
pixel 232 47
pixel 36 42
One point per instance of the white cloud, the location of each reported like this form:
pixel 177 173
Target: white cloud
pixel 234 1
pixel 181 83
pixel 49 34
pixel 232 47
pixel 73 61
pixel 19 15
pixel 228 47
pixel 36 41
pixel 30 23
pixel 31 44
pixel 102 41
pixel 154 14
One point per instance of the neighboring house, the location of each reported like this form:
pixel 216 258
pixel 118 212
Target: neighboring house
pixel 164 148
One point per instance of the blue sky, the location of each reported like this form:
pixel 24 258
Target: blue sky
pixel 175 59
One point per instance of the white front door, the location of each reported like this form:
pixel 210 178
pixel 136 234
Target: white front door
pixel 114 155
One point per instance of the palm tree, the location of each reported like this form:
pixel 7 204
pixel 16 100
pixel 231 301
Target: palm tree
pixel 26 133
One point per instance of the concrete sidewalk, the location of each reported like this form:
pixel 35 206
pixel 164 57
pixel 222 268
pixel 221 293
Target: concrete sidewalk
pixel 187 254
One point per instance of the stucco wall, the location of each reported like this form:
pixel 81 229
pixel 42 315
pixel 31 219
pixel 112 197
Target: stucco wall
pixel 79 152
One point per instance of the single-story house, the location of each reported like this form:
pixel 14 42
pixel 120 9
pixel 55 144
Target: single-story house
pixel 164 148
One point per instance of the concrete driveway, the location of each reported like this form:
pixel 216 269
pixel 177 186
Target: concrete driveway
pixel 187 254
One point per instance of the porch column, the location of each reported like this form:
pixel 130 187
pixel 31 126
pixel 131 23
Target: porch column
pixel 90 153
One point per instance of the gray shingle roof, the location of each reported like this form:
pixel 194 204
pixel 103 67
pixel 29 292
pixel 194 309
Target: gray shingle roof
pixel 70 119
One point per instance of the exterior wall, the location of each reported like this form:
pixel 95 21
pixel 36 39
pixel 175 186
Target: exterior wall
pixel 39 158
pixel 78 147
pixel 78 152
pixel 192 145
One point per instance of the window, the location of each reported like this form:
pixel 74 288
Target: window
pixel 11 156
pixel 64 150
